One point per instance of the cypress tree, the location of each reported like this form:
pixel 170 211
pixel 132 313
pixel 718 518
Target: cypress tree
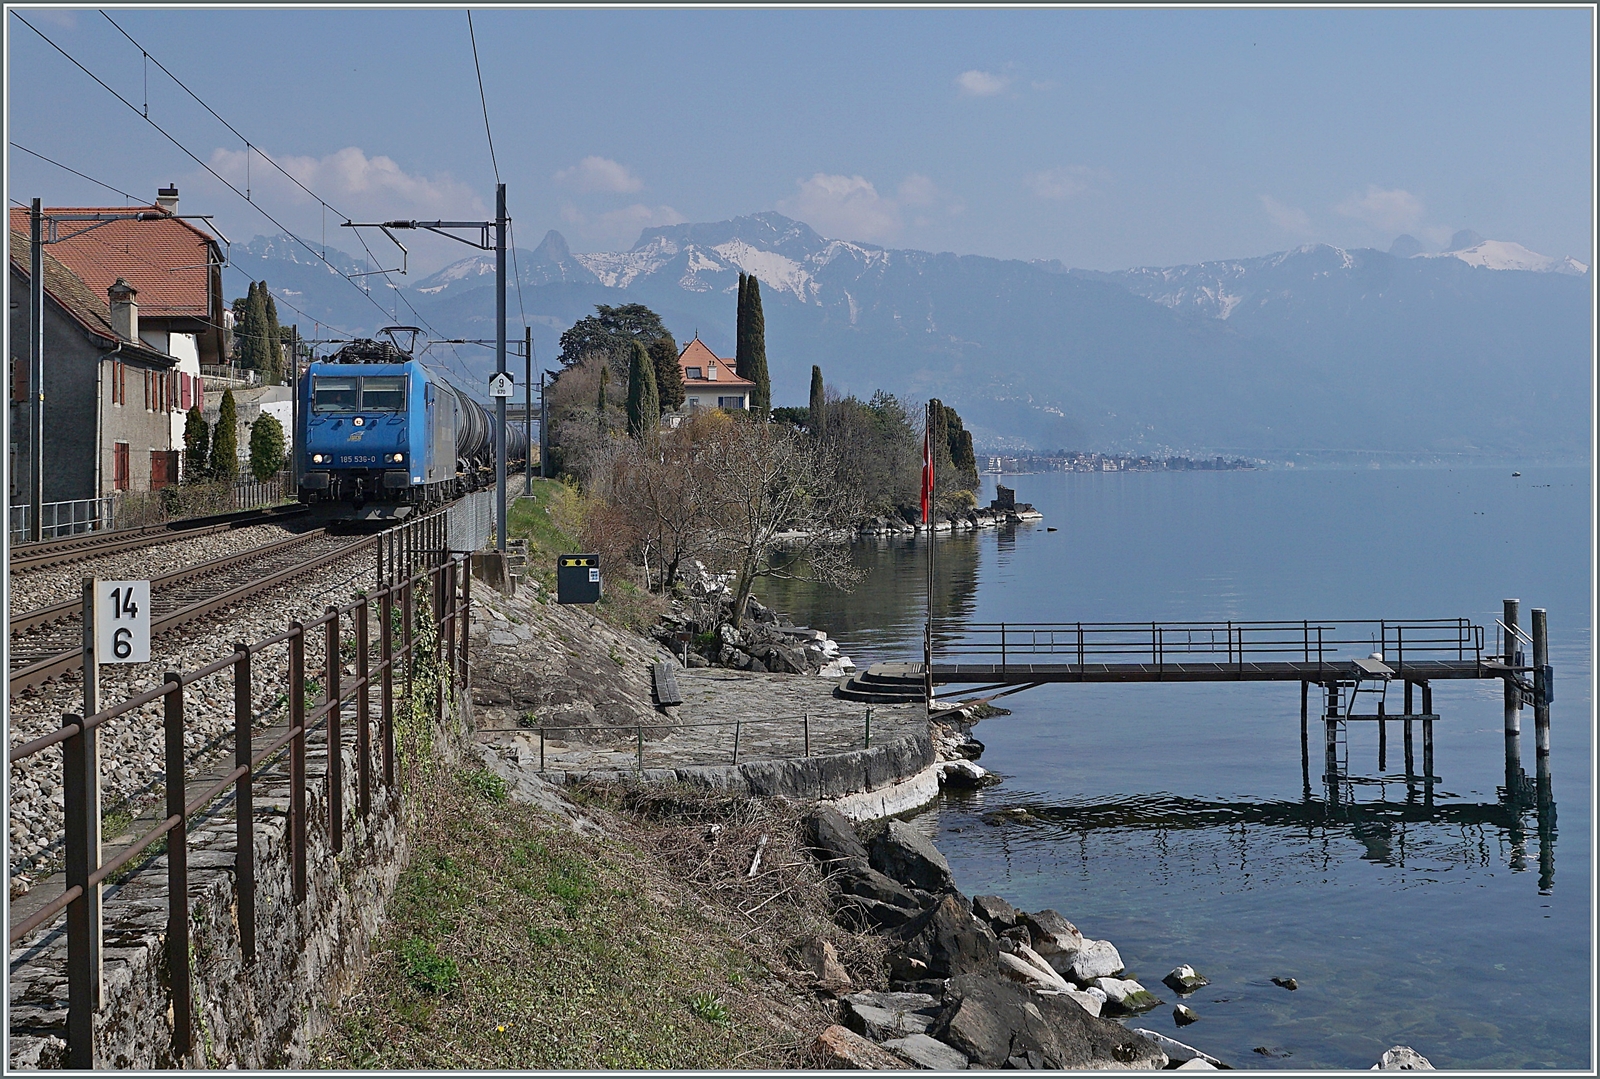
pixel 644 405
pixel 817 421
pixel 225 440
pixel 196 445
pixel 741 330
pixel 761 396
pixel 272 371
pixel 600 417
pixel 267 450
pixel 669 378
pixel 258 354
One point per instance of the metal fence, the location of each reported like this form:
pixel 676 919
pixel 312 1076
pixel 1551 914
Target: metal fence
pixel 70 518
pixel 801 725
pixel 1236 643
pixel 420 559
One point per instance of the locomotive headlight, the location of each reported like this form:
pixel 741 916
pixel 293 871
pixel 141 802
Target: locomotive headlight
pixel 316 458
pixel 397 457
pixel 358 421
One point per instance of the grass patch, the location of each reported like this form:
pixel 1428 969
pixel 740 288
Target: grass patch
pixel 485 784
pixel 514 942
pixel 548 518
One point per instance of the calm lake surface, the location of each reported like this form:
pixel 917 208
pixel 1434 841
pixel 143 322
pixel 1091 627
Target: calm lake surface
pixel 1173 819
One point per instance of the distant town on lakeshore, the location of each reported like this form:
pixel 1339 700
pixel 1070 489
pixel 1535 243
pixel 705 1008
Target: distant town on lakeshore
pixel 1078 461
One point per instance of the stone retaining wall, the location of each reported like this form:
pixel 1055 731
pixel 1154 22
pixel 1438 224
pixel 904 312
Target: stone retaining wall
pixel 833 776
pixel 266 1015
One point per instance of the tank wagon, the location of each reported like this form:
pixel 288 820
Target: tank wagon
pixel 379 426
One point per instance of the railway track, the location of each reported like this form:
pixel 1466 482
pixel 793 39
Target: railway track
pixel 49 553
pixel 48 642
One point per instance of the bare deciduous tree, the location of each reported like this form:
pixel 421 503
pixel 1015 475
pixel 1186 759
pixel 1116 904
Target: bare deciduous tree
pixel 779 507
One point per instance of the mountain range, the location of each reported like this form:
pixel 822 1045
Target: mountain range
pixel 1484 348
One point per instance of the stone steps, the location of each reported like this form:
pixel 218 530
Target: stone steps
pixel 884 683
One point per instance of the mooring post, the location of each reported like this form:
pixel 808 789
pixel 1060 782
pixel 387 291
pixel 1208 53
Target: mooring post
pixel 1541 698
pixel 1411 767
pixel 1513 696
pixel 1427 748
pixel 1409 684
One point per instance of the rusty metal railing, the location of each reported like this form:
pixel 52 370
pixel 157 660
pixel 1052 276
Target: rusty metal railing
pixel 418 557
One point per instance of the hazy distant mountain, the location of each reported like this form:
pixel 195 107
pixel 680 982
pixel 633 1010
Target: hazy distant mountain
pixel 1316 348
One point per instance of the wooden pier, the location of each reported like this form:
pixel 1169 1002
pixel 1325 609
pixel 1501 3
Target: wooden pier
pixel 1353 663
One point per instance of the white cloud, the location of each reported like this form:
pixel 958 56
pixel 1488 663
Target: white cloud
pixel 977 83
pixel 1288 218
pixel 600 174
pixel 365 187
pixel 847 207
pixel 1388 210
pixel 1064 182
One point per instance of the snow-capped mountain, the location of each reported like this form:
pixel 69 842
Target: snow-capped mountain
pixel 1318 347
pixel 1505 255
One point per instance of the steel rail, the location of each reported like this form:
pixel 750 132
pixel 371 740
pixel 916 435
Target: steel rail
pixel 74 607
pixel 43 670
pixel 31 556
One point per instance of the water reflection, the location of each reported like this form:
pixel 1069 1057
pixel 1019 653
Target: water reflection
pixel 1401 832
pixel 885 613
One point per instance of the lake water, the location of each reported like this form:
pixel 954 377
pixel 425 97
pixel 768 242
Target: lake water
pixel 1173 819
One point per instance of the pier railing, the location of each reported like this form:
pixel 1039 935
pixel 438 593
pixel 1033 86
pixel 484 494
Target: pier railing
pixel 1236 643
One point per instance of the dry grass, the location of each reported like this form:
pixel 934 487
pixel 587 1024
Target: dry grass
pixel 513 942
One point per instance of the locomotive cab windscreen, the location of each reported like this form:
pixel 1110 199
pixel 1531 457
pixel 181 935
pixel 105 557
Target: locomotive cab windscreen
pixel 331 394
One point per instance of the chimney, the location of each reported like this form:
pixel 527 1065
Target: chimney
pixel 167 198
pixel 124 310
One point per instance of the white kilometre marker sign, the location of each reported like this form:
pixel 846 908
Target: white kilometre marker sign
pixel 501 385
pixel 122 621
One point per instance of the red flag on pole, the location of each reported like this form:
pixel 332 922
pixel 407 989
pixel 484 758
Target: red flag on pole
pixel 927 469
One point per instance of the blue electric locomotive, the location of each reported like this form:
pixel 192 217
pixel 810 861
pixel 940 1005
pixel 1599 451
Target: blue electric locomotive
pixel 380 426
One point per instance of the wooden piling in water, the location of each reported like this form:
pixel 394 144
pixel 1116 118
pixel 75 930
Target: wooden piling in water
pixel 1513 696
pixel 1541 701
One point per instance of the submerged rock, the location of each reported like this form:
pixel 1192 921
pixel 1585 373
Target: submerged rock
pixel 1287 983
pixel 1184 979
pixel 1183 1015
pixel 1402 1058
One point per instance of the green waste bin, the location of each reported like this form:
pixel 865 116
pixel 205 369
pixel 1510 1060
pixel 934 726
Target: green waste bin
pixel 578 578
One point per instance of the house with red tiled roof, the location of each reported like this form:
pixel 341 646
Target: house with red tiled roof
pixel 173 265
pixel 709 382
pixel 109 397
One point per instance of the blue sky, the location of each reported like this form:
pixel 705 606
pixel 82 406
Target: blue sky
pixel 1105 139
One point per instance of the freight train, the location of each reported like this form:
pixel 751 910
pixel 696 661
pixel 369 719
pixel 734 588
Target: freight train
pixel 382 432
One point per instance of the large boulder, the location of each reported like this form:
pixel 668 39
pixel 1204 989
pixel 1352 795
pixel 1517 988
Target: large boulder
pixel 1092 959
pixel 857 912
pixel 1176 1051
pixel 831 836
pixel 882 1016
pixel 901 852
pixel 841 1047
pixel 929 1053
pixel 994 910
pixel 1052 934
pixel 942 942
pixel 1124 996
pixel 993 1022
pixel 1018 969
pixel 856 877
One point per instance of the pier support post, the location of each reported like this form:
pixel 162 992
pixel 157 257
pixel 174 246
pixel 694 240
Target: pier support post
pixel 1427 749
pixel 1513 696
pixel 1333 698
pixel 1409 684
pixel 1330 750
pixel 1541 702
pixel 1305 743
pixel 1383 740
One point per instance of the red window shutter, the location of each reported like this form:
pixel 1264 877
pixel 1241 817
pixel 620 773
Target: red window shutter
pixel 19 379
pixel 119 466
pixel 183 390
